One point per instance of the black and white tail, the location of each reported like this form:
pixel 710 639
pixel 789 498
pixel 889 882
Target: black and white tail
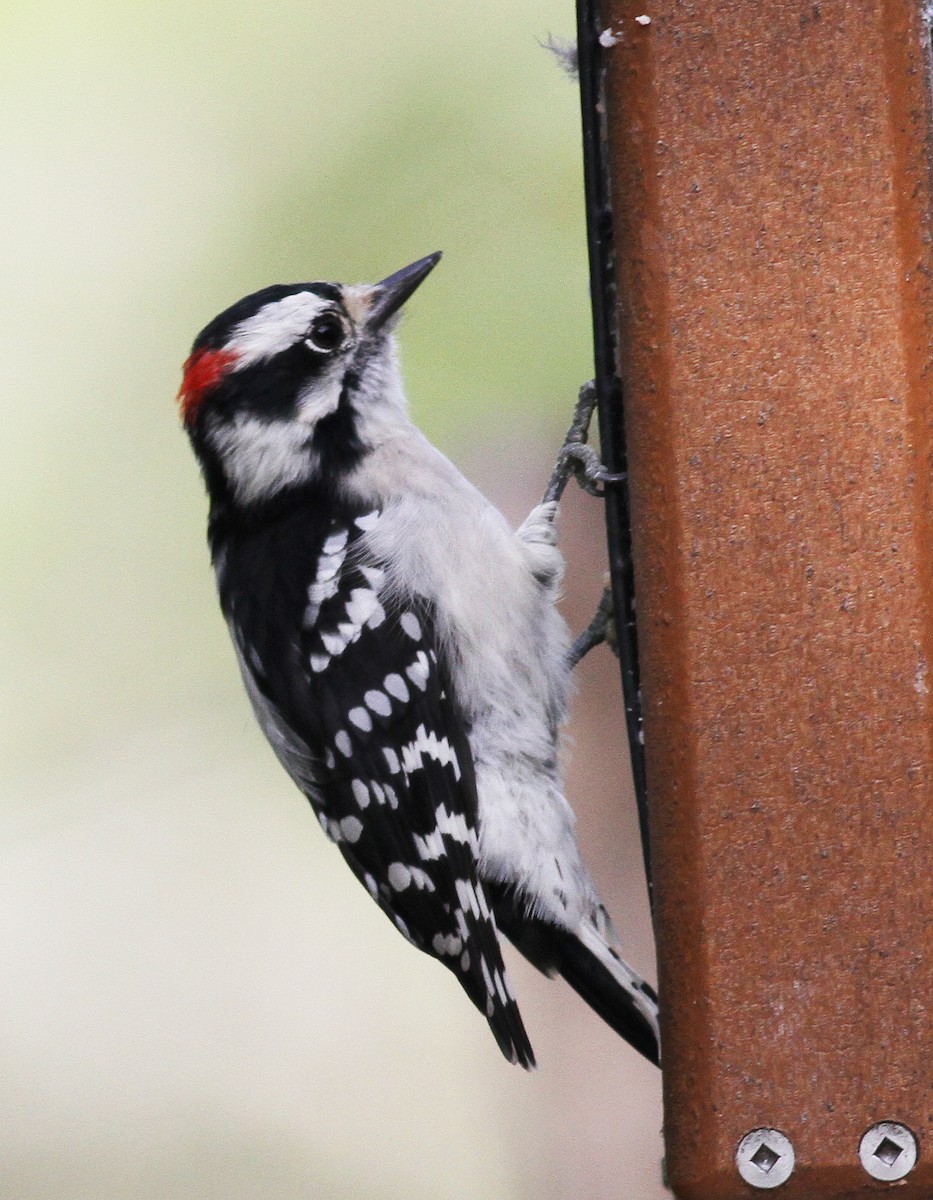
pixel 610 987
pixel 589 962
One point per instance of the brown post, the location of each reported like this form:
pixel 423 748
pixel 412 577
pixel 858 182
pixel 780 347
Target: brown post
pixel 771 170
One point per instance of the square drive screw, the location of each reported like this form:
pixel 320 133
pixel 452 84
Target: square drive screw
pixel 888 1151
pixel 765 1158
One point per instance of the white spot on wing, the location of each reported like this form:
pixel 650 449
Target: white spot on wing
pixel 360 607
pixel 396 686
pixel 448 944
pixel 412 626
pixel 333 642
pixel 327 567
pixel 490 991
pixel 419 671
pixel 431 746
pixel 343 743
pixel 351 828
pixel 379 703
pixel 453 825
pixel 466 895
pixel 335 542
pixel 399 876
pixel 429 847
pixel 318 592
pixel 361 719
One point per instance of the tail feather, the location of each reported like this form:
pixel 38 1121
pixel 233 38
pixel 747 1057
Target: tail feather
pixel 611 988
pixel 590 965
pixel 509 1032
pixel 483 977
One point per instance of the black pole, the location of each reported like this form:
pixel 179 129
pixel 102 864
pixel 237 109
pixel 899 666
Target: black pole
pixel 610 411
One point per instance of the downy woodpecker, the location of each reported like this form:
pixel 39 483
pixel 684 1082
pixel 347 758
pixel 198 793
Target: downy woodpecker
pixel 400 645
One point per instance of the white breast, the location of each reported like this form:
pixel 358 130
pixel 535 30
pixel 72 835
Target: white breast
pixel 506 648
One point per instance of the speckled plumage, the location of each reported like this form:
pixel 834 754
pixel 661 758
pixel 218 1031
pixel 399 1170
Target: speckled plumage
pixel 400 645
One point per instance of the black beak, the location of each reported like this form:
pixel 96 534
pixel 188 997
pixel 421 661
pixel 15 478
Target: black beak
pixel 391 293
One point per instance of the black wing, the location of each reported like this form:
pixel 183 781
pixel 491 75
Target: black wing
pixel 362 720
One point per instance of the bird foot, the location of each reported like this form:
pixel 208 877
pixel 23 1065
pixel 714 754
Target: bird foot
pixel 576 458
pixel 601 629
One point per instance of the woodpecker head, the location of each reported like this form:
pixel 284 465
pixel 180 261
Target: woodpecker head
pixel 294 382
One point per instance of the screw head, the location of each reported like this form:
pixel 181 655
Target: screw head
pixel 765 1158
pixel 888 1151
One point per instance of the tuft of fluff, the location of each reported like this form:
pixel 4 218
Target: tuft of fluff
pixel 566 54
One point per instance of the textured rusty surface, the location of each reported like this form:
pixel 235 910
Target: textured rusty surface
pixel 771 180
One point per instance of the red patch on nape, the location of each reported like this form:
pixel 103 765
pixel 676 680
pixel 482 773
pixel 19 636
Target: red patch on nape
pixel 203 370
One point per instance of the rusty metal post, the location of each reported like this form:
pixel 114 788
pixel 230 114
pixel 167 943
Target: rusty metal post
pixel 770 172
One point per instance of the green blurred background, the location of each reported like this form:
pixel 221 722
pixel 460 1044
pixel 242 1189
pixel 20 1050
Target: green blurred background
pixel 198 1000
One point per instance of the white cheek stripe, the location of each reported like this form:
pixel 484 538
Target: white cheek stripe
pixel 261 457
pixel 274 328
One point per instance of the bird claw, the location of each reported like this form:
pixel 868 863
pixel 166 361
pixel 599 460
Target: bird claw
pixel 578 459
pixel 582 461
pixel 601 629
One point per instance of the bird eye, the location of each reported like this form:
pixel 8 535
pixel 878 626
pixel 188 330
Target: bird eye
pixel 326 332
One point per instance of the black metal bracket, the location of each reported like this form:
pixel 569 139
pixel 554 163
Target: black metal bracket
pixel 610 411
